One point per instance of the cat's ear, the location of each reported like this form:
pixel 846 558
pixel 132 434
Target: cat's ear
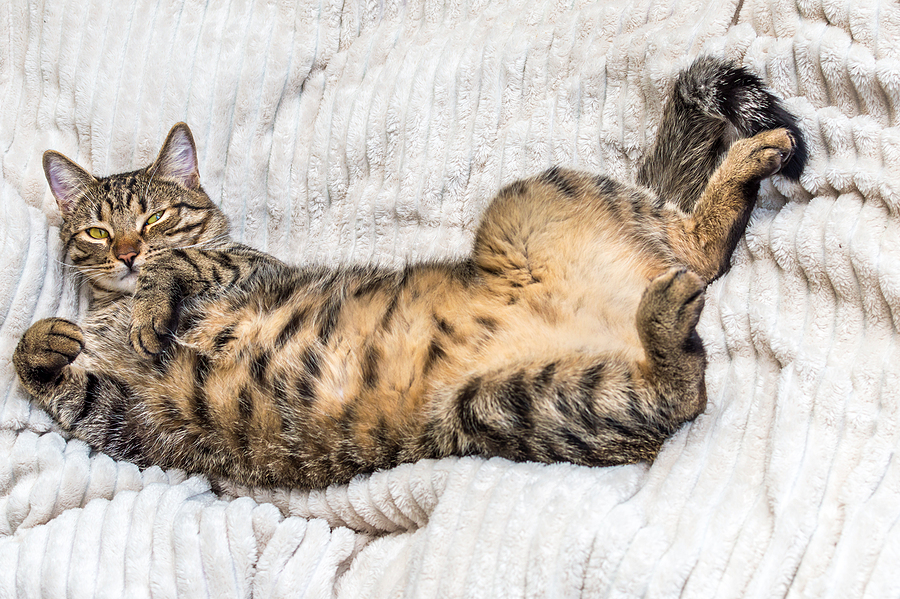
pixel 67 180
pixel 178 158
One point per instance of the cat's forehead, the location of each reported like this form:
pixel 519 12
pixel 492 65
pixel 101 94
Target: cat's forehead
pixel 117 196
pixel 124 181
pixel 124 185
pixel 129 193
pixel 116 200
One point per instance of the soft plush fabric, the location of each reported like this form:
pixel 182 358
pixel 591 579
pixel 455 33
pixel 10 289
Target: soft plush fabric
pixel 345 131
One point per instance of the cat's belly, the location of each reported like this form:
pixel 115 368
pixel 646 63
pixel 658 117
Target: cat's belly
pixel 388 349
pixel 594 315
pixel 106 344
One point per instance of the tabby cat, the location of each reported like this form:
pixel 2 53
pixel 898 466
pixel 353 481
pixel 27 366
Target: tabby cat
pixel 568 334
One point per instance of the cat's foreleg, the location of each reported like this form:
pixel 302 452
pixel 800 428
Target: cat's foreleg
pixel 42 360
pixel 95 407
pixel 706 239
pixel 171 277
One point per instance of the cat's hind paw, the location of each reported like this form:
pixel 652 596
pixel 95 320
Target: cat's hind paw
pixel 670 309
pixel 721 87
pixel 764 154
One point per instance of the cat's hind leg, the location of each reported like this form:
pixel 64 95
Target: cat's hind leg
pixel 706 239
pixel 676 361
pixel 713 103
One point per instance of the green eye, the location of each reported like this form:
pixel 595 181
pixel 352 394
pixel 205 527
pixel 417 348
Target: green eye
pixel 155 217
pixel 98 233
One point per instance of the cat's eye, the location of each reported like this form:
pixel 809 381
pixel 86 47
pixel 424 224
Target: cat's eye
pixel 98 233
pixel 154 217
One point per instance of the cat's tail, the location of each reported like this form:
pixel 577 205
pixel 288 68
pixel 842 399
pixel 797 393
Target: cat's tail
pixel 714 102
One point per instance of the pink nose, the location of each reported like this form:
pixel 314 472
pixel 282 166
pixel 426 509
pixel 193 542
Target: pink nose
pixel 128 259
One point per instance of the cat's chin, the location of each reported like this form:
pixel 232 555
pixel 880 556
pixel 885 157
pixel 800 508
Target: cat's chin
pixel 123 284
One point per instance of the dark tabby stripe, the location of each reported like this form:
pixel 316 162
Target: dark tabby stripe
pixel 370 366
pixel 223 338
pixel 290 329
pixel 557 178
pixel 328 319
pixel 90 393
pixel 435 354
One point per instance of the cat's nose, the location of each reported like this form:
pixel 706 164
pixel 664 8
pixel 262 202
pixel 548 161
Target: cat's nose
pixel 127 248
pixel 128 259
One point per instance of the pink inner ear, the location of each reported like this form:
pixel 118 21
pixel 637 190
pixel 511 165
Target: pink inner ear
pixel 67 181
pixel 56 179
pixel 179 161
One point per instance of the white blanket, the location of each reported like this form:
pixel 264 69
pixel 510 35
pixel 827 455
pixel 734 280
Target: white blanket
pixel 376 131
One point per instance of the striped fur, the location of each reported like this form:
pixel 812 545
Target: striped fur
pixel 567 334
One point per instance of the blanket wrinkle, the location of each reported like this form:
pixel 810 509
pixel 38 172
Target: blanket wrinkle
pixel 341 131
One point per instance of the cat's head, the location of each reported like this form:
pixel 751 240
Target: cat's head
pixel 111 225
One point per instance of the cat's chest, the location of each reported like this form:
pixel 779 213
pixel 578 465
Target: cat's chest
pixel 106 331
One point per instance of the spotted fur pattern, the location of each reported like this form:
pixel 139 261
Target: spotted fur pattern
pixel 568 333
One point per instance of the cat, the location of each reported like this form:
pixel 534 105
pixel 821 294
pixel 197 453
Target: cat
pixel 567 334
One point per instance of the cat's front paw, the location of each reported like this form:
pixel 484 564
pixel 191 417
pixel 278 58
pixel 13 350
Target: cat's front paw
pixel 47 347
pixel 151 324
